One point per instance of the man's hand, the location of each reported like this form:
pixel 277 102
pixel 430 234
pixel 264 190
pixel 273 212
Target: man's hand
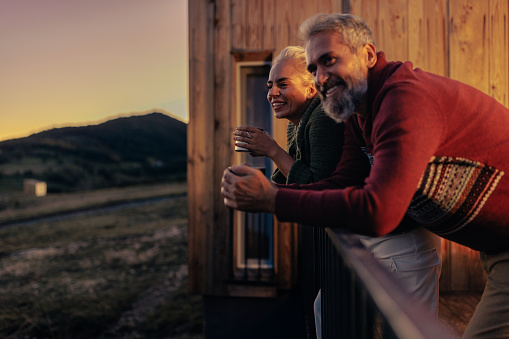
pixel 247 189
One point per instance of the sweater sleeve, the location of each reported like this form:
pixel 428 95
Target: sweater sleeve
pixel 407 129
pixel 278 177
pixel 321 151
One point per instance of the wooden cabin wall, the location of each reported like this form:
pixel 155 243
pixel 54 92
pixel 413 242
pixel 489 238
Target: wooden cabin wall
pixel 478 56
pixel 467 40
pixel 200 150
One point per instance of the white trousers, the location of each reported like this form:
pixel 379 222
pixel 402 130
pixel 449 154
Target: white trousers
pixel 414 258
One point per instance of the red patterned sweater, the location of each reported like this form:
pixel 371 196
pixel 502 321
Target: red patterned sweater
pixel 438 150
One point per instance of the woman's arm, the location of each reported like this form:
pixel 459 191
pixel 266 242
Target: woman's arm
pixel 260 143
pixel 320 149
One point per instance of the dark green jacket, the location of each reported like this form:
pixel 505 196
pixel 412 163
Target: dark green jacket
pixel 316 146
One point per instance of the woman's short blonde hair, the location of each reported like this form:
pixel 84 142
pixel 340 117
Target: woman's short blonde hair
pixel 296 55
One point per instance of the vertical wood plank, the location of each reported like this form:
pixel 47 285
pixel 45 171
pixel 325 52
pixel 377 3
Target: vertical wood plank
pixel 307 10
pixel 269 39
pixel 254 22
pixel 283 25
pixel 476 275
pixel 459 261
pixel 461 269
pixel 292 24
pixel 499 51
pixel 200 149
pixel 285 32
pixel 417 33
pixel 445 282
pixel 325 6
pixel 369 11
pixel 427 35
pixel 469 45
pixel 436 50
pixel 356 8
pixel 340 6
pixel 394 29
pixel 238 24
pixel 286 234
pixel 466 270
pixel 217 261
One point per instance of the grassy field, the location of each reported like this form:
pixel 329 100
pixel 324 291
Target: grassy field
pixel 116 274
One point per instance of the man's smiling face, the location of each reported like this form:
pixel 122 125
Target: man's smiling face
pixel 340 75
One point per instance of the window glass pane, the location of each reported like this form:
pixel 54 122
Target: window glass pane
pixel 255 245
pixel 256 107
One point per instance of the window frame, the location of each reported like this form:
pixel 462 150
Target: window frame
pixel 252 266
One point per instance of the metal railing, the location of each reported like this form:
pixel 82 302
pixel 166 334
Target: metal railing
pixel 359 297
pixel 254 258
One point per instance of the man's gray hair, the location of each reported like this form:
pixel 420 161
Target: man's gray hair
pixel 354 30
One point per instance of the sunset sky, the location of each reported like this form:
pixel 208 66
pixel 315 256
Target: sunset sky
pixel 73 62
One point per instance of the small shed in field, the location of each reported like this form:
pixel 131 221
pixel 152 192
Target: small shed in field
pixel 34 187
pixel 246 265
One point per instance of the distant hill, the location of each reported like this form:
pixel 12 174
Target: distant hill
pixel 119 152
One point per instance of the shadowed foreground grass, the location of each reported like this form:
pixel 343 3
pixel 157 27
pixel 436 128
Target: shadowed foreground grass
pixel 118 274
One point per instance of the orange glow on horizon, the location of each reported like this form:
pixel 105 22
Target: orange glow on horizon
pixel 79 63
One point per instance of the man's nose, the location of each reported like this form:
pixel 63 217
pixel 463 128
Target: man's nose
pixel 321 77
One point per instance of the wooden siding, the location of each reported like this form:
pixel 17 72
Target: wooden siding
pixel 467 40
pixel 478 56
pixel 200 131
pixel 222 145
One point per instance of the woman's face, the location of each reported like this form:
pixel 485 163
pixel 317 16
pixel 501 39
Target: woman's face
pixel 288 95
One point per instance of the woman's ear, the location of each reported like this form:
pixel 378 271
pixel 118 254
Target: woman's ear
pixel 311 91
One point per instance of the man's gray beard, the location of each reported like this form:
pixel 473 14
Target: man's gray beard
pixel 340 109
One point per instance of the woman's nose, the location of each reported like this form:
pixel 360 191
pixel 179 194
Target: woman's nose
pixel 273 92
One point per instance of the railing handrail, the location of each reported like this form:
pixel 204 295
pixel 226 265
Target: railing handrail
pixel 406 317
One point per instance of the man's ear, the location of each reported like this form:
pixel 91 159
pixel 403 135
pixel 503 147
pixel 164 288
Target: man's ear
pixel 369 53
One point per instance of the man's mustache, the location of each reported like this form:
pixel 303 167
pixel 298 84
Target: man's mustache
pixel 322 89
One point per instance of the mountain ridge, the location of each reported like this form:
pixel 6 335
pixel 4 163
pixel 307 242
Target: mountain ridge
pixel 111 153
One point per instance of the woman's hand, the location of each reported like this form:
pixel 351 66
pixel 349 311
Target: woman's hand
pixel 257 141
pixel 260 143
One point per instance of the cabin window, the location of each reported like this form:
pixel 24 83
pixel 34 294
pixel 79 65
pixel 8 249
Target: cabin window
pixel 253 232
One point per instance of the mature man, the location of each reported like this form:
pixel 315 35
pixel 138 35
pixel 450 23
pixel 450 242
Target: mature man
pixel 440 149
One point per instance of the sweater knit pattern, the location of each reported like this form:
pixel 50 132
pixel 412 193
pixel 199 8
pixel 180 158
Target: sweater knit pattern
pixel 451 192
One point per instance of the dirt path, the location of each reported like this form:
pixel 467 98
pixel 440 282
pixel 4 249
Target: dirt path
pixel 132 319
pixel 126 325
pixel 58 216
